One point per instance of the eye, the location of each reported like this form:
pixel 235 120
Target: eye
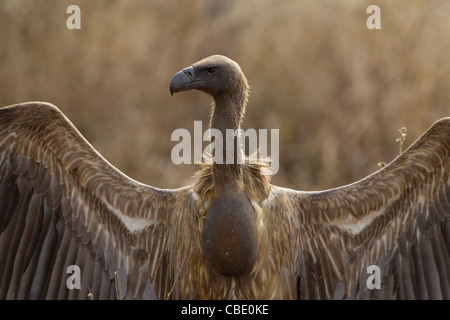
pixel 212 70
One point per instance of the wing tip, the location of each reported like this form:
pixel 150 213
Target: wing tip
pixel 34 104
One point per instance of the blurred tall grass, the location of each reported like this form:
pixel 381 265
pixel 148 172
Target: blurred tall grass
pixel 337 91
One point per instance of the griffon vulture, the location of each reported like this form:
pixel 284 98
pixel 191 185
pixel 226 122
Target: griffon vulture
pixel 232 235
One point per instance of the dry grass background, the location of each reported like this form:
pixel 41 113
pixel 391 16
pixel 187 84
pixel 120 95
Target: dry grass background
pixel 337 91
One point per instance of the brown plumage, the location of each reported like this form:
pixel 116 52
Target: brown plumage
pixel 231 235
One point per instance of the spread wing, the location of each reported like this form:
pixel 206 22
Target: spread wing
pixel 66 214
pixel 392 227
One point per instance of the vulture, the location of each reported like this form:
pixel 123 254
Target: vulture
pixel 72 226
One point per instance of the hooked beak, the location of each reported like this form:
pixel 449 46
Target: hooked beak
pixel 182 79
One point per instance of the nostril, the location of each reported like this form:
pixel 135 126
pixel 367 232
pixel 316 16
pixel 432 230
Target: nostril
pixel 189 71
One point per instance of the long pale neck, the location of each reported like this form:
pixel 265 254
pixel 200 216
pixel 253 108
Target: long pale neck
pixel 227 114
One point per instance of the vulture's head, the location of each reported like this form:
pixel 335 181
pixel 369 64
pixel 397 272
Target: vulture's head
pixel 215 75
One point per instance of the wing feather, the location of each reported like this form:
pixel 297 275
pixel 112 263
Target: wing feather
pixel 397 219
pixel 62 204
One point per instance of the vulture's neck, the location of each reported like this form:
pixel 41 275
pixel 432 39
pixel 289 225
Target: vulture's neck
pixel 228 112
